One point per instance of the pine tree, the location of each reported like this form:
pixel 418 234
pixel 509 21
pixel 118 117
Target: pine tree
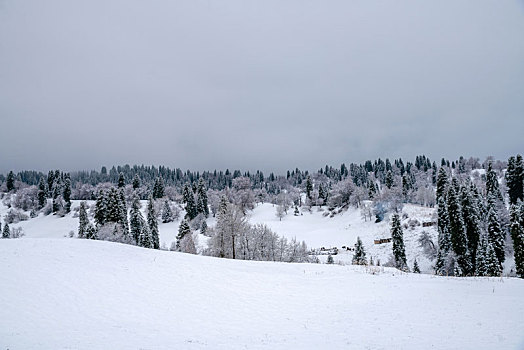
pixel 121 181
pixel 389 179
pixel 158 188
pixel 136 182
pixel 359 258
pixel 487 263
pixel 471 218
pixel 444 239
pixel 497 236
pixel 372 191
pixel 203 227
pixel 416 269
pixel 152 222
pixel 10 182
pixel 42 198
pixel 492 184
pixel 442 183
pixel 330 260
pixel 515 179
pixel 517 234
pixel 122 206
pixel 101 208
pixel 83 221
pixel 397 236
pixel 457 230
pixel 6 232
pixel 167 214
pixel 183 230
pixel 136 221
pixel 202 198
pixel 67 194
pixel 309 188
pixel 189 200
pixel 146 239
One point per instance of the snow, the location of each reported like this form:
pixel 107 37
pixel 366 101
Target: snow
pixel 82 294
pixel 318 231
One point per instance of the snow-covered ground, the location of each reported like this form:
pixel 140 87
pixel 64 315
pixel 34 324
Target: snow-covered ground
pixel 82 294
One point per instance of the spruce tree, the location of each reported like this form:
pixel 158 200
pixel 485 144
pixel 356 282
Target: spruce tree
pixel 189 200
pixel 416 269
pixel 359 258
pixel 100 208
pixel 10 182
pixel 389 179
pixel 183 230
pixel 167 214
pixel 83 220
pixel 497 236
pixel 516 230
pixel 67 194
pixel 372 191
pixel 397 236
pixel 515 179
pixel 42 197
pixel 471 218
pixel 6 232
pixel 457 230
pixel 309 188
pixel 492 184
pixel 442 183
pixel 136 182
pixel 152 222
pixel 121 181
pixel 136 221
pixel 202 197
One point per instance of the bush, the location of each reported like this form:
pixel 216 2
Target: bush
pixel 112 232
pixel 14 216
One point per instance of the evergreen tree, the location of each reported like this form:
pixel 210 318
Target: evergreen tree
pixel 397 236
pixel 497 236
pixel 330 260
pixel 158 188
pixel 457 230
pixel 56 200
pixel 372 191
pixel 50 182
pixel 442 183
pixel 487 263
pixel 471 218
pixel 6 232
pixel 183 230
pixel 444 239
pixel 146 239
pixel 152 222
pixel 121 181
pixel 189 200
pixel 202 198
pixel 309 188
pixel 389 179
pixel 91 232
pixel 136 182
pixel 517 234
pixel 203 227
pixel 167 214
pixel 137 224
pixel 515 179
pixel 101 208
pixel 83 220
pixel 492 184
pixel 10 182
pixel 359 258
pixel 67 194
pixel 42 198
pixel 416 269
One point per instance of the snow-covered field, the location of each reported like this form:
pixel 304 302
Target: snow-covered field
pixel 81 294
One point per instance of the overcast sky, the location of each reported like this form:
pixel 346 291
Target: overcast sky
pixel 266 84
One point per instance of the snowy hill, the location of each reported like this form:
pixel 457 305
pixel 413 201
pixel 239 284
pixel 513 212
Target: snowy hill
pixel 314 228
pixel 81 294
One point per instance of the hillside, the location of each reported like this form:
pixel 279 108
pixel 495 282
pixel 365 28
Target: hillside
pixel 81 294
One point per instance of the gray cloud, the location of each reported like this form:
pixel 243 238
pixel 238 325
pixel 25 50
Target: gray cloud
pixel 257 84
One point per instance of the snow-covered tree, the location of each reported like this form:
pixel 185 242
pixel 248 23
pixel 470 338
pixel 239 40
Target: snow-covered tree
pixel 416 268
pixel 330 259
pixel 136 182
pixel 517 234
pixel 6 232
pixel 397 236
pixel 457 229
pixel 83 220
pixel 167 213
pixel 152 223
pixel 515 179
pixel 359 258
pixel 183 231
